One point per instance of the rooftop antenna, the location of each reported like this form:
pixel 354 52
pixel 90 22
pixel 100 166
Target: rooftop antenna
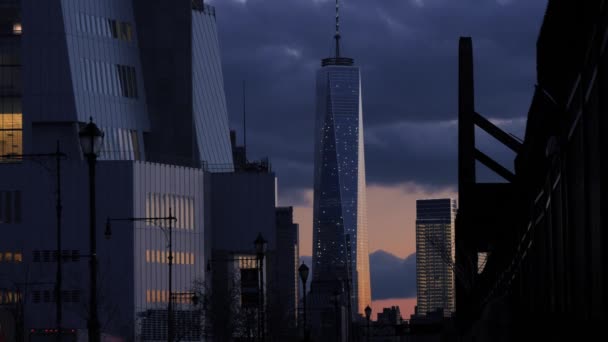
pixel 244 121
pixel 337 36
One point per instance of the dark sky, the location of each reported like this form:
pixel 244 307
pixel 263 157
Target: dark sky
pixel 407 51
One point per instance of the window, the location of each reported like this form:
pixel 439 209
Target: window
pixel 36 297
pixel 10 207
pixel 46 256
pixel 18 257
pixel 8 257
pixel 17 29
pixel 128 83
pixel 75 256
pixel 135 143
pixel 36 256
pixel 182 208
pixel 46 296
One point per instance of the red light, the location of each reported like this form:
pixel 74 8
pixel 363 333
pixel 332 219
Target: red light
pixel 33 330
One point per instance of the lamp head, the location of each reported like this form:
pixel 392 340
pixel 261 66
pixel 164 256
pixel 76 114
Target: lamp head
pixel 368 312
pixel 91 139
pixel 194 299
pixel 260 246
pixel 303 270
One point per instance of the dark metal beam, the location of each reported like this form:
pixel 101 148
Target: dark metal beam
pixel 497 133
pixel 494 166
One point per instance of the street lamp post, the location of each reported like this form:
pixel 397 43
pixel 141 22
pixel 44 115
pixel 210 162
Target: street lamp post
pixel 368 315
pixel 303 270
pixel 336 300
pixel 260 248
pixel 169 236
pixel 58 155
pixel 91 140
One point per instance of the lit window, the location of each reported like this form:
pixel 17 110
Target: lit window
pixel 8 257
pixel 11 128
pixel 17 29
pixel 18 257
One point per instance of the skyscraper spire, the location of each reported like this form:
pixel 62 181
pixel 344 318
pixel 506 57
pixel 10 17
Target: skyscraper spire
pixel 337 59
pixel 337 36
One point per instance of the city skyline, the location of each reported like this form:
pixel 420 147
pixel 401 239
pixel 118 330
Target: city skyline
pixel 409 127
pixel 244 170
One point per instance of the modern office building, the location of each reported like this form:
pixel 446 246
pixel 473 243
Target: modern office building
pixel 149 75
pixel 435 255
pixel 340 242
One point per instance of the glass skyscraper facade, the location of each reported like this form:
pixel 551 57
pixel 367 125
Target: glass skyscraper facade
pixel 340 242
pixel 435 255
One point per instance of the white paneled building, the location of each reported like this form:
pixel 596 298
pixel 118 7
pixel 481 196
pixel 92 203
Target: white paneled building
pixel 148 73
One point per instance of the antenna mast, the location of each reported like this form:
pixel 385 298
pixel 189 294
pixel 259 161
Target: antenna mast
pixel 244 121
pixel 337 36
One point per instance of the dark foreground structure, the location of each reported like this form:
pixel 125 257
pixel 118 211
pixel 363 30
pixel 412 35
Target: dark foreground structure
pixel 544 230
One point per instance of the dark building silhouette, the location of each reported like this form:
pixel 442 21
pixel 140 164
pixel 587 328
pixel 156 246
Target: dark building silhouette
pixel 544 229
pixel 285 302
pixel 390 315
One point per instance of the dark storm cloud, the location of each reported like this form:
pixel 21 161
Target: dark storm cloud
pixel 407 51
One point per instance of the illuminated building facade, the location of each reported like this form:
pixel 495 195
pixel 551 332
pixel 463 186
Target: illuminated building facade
pixel 435 255
pixel 340 241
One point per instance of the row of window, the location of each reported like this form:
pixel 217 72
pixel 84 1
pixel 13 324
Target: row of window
pixel 121 144
pixel 105 27
pixel 51 256
pixel 162 257
pixel 9 297
pixel 162 296
pixel 10 207
pixel 109 79
pixel 49 296
pixel 182 208
pixel 15 257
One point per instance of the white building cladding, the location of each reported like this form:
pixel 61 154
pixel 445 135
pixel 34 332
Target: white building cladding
pixel 133 268
pixel 434 255
pixel 157 92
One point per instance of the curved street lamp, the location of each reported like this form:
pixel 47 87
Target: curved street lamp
pixel 303 271
pixel 91 141
pixel 368 315
pixel 260 250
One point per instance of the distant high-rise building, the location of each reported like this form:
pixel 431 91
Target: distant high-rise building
pixel 435 255
pixel 340 241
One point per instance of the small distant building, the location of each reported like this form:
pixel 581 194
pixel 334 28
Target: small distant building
pixel 390 315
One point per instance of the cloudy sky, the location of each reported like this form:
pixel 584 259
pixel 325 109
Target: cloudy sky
pixel 407 51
